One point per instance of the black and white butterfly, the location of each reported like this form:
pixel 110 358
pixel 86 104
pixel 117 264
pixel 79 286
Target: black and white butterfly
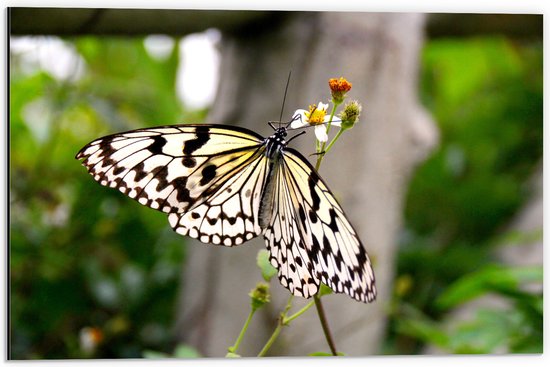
pixel 225 185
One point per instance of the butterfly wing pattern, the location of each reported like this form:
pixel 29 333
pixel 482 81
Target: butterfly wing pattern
pixel 226 185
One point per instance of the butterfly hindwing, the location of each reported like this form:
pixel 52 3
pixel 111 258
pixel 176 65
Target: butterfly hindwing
pixel 337 257
pixel 284 238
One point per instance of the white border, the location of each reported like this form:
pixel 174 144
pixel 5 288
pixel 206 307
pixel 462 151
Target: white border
pixel 463 6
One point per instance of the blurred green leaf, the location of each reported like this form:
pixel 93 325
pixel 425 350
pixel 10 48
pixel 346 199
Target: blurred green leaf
pixel 262 260
pixel 488 331
pixel 186 351
pixel 493 278
pixel 151 354
pixel 413 323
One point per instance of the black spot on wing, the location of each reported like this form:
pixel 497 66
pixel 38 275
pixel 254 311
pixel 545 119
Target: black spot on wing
pixel 312 181
pixel 183 194
pixel 160 173
pixel 315 248
pixel 180 182
pixel 302 213
pixel 106 149
pixel 158 143
pixel 312 216
pixel 140 171
pixel 118 170
pixel 189 162
pixel 208 173
pixel 326 251
pixel 107 162
pixel 190 146
pixel 333 225
pixel 339 260
pixel 361 259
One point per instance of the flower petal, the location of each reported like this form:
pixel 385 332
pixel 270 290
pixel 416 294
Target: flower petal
pixel 322 106
pixel 321 133
pixel 299 118
pixel 335 121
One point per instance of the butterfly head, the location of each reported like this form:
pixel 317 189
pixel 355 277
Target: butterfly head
pixel 280 134
pixel 276 142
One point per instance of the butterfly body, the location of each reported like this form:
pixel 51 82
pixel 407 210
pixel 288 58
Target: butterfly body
pixel 225 185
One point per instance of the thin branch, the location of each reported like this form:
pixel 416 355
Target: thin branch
pixel 324 323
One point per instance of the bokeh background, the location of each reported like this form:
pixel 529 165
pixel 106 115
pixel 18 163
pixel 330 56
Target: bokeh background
pixel 95 275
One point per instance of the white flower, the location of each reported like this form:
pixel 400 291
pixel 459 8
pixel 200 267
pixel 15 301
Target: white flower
pixel 315 116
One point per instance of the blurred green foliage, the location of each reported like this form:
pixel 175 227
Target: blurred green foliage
pixel 92 273
pixel 486 96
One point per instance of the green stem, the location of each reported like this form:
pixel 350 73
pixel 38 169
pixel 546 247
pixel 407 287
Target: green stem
pixel 281 322
pixel 287 320
pixel 288 304
pixel 234 348
pixel 271 339
pixel 324 324
pixel 321 151
pixel 338 134
pixel 317 298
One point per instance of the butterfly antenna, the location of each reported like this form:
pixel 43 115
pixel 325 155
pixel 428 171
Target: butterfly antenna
pixel 284 98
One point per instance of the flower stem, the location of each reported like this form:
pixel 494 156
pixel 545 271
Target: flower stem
pixel 324 324
pixel 287 320
pixel 321 150
pixel 281 322
pixel 235 346
pixel 271 339
pixel 338 134
pixel 317 297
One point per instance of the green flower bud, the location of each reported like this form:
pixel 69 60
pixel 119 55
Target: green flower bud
pixel 350 114
pixel 259 296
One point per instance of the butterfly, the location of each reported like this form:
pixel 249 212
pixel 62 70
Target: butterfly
pixel 225 185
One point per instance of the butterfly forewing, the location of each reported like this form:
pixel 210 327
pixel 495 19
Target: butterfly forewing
pixel 171 168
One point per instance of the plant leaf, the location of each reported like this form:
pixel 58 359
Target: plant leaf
pixel 153 354
pixel 492 278
pixel 185 351
pixel 262 260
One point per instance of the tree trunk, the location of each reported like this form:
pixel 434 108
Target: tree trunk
pixel 368 170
